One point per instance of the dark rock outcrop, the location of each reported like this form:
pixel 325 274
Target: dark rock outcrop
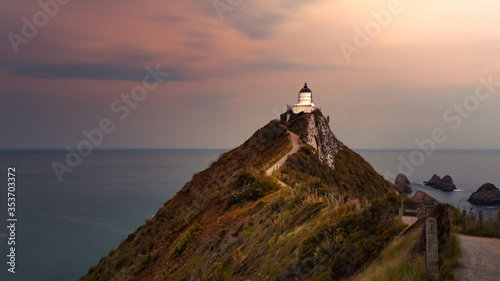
pixel 403 183
pixel 447 184
pixel 435 182
pixel 486 195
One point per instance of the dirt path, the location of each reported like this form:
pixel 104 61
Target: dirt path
pixel 480 259
pixel 295 139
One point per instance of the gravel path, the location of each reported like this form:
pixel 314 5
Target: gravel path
pixel 295 139
pixel 480 259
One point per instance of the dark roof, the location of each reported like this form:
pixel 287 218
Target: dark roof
pixel 305 89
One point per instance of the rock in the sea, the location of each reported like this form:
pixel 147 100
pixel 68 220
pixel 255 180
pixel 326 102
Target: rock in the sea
pixel 486 195
pixel 435 182
pixel 447 184
pixel 403 183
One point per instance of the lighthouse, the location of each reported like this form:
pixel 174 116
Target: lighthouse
pixel 305 103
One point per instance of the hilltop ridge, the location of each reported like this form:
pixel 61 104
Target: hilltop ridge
pixel 333 214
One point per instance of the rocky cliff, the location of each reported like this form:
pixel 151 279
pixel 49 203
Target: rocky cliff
pixel 323 215
pixel 321 138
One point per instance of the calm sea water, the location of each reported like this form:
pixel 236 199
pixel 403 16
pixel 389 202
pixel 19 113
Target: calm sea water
pixel 468 168
pixel 64 228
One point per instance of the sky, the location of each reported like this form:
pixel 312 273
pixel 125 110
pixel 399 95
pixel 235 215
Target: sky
pixel 390 74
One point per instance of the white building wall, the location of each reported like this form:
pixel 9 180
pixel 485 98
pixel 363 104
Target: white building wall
pixel 298 108
pixel 304 103
pixel 305 98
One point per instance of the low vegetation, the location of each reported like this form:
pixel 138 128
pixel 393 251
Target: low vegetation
pixel 488 228
pixel 183 240
pixel 232 221
pixel 215 273
pixel 395 263
pixel 449 259
pixel 404 258
pixel 364 235
pixel 250 186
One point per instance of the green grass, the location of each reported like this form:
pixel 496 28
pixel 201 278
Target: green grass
pixel 449 259
pixel 489 229
pixel 184 239
pixel 250 185
pixel 395 263
pixel 405 270
pixel 215 273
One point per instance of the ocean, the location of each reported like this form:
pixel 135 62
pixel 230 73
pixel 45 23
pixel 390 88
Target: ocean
pixel 64 228
pixel 469 169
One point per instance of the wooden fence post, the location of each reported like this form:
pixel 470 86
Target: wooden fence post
pixel 431 236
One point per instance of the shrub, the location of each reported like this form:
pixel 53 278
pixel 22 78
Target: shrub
pixel 277 204
pixel 184 239
pixel 364 235
pixel 317 185
pixel 306 213
pixel 309 246
pixel 250 187
pixel 215 273
pixel 144 262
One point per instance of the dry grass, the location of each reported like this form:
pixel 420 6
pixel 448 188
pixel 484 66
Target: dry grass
pixel 251 227
pixel 395 263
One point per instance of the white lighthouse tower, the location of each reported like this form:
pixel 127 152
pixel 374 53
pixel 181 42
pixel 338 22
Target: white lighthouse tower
pixel 305 103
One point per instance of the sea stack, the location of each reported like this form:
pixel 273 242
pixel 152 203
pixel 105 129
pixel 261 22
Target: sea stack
pixel 403 183
pixel 447 184
pixel 486 195
pixel 444 184
pixel 434 182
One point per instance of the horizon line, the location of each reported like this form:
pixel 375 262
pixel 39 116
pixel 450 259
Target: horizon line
pixel 210 148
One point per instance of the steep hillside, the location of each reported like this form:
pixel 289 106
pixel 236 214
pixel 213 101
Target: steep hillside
pixel 323 215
